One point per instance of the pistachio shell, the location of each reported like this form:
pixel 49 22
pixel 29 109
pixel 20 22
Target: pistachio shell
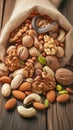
pixel 48 70
pixel 6 90
pixel 17 80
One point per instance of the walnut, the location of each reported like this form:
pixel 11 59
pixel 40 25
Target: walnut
pixel 12 62
pixel 12 50
pixel 28 70
pixel 44 83
pixel 49 80
pixel 18 33
pixel 50 47
pixel 64 76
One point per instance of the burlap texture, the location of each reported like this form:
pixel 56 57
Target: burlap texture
pixel 56 3
pixel 22 10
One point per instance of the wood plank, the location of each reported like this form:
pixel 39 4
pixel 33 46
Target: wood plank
pixel 1 12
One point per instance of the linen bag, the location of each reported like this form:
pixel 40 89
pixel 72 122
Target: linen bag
pixel 23 8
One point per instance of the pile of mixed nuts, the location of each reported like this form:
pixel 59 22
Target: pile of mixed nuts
pixel 32 66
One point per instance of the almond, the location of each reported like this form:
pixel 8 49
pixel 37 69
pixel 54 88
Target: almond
pixel 51 95
pixel 63 98
pixel 70 90
pixel 5 79
pixel 18 94
pixel 25 86
pixel 39 106
pixel 10 104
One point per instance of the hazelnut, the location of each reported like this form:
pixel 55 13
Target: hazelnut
pixel 60 52
pixel 34 52
pixel 22 52
pixel 38 72
pixel 38 65
pixel 52 62
pixel 27 41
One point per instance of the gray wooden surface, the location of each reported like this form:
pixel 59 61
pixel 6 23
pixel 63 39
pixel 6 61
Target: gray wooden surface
pixel 58 116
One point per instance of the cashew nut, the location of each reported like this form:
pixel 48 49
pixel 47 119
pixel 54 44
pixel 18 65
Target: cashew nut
pixel 31 97
pixel 61 36
pixel 26 112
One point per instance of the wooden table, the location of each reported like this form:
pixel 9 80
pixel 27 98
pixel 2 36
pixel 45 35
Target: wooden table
pixel 58 116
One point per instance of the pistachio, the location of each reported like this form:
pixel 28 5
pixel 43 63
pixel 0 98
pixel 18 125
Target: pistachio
pixel 58 87
pixel 63 92
pixel 6 90
pixel 48 70
pixel 29 80
pixel 19 71
pixel 46 102
pixel 17 80
pixel 42 60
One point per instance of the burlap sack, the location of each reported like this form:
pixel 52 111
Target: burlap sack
pixel 22 10
pixel 56 3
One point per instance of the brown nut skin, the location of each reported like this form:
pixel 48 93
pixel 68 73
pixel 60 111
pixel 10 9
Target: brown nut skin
pixel 63 98
pixel 18 94
pixel 10 104
pixel 22 52
pixel 27 41
pixel 52 62
pixel 38 72
pixel 70 90
pixel 38 65
pixel 39 106
pixel 51 95
pixel 64 76
pixel 5 79
pixel 25 86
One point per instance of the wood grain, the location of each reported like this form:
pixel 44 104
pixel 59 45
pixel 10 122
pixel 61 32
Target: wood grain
pixel 1 12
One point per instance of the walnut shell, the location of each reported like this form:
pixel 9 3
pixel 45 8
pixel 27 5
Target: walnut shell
pixel 64 76
pixel 34 52
pixel 27 41
pixel 22 52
